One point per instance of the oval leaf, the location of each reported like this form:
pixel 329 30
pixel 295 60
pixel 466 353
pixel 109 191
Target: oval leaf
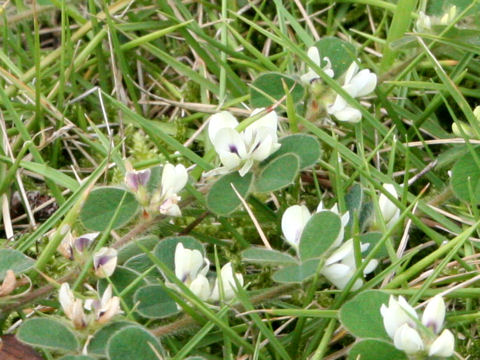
pixel 306 147
pixel 221 198
pixel 320 232
pixel 268 89
pixel 296 273
pixel 132 249
pixel 361 315
pixel 98 344
pixel 142 263
pixel 278 173
pixel 154 302
pixel 340 53
pixel 47 333
pixel 265 256
pixel 375 349
pixel 466 177
pixel 133 343
pixel 165 250
pixel 14 260
pixel 101 205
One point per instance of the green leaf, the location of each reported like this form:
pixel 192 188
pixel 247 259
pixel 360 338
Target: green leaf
pixel 154 302
pixel 14 260
pixel 142 263
pixel 271 85
pixel 320 232
pixel 361 315
pixel 296 273
pixel 133 343
pixel 466 177
pixel 165 250
pixel 375 349
pixel 265 256
pixel 98 344
pixel 47 333
pixel 373 238
pixel 132 249
pixel 278 173
pixel 121 279
pixel 101 205
pixel 306 147
pixel 440 7
pixel 76 357
pixel 340 53
pixel 354 199
pixel 221 198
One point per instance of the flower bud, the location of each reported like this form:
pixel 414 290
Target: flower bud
pixel 390 212
pixel 434 314
pixel 9 283
pixel 407 339
pixel 443 346
pixel 134 180
pixel 72 307
pixel 104 262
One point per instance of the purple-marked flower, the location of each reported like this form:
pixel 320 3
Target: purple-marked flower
pixel 434 314
pixel 239 150
pixel 106 307
pixel 71 246
pixel 105 262
pixel 136 179
pixel 311 75
pixel 356 84
pixel 229 286
pixel 174 179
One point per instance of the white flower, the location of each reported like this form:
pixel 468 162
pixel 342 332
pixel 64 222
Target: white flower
pixel 191 268
pixel 105 262
pixel 444 345
pixel 106 307
pixel 390 212
pixel 174 179
pixel 340 266
pixel 241 149
pixel 228 283
pixel 311 75
pixel 72 307
pixel 356 84
pixel 294 220
pixel 434 314
pixel 423 23
pixel 397 313
pixel 407 339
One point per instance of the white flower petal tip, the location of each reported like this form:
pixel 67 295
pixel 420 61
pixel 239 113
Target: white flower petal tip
pixel 443 346
pixel 434 314
pixel 229 286
pixel 397 313
pixel 408 339
pixel 356 84
pixel 390 212
pixel 294 220
pixel 238 150
pixel 105 262
pixel 311 75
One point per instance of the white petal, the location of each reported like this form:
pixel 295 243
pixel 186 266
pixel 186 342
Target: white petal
pixel 364 82
pixel 294 220
pixel 348 114
pixel 246 167
pixel 338 274
pixel 337 106
pixel 341 253
pixel 351 71
pixel 269 120
pixel 314 54
pixel 434 314
pixel 444 345
pixel 397 313
pixel 200 287
pixel 229 160
pixel 223 119
pixel 372 265
pixel 105 262
pixel 229 140
pixel 388 208
pixel 408 340
pixel 174 179
pixel 66 299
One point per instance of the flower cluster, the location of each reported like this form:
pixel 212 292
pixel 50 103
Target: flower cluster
pixel 239 150
pixel 165 199
pixel 402 325
pixel 340 265
pixel 103 308
pixel 191 268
